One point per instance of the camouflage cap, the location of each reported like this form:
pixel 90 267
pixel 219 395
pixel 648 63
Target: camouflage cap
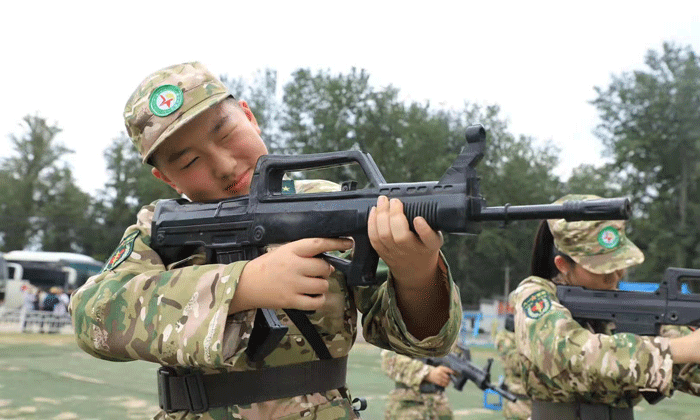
pixel 166 100
pixel 600 246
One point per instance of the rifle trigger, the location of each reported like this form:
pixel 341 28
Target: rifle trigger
pixel 340 263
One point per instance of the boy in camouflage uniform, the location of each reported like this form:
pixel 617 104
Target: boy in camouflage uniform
pixel 196 318
pixel 407 401
pixel 572 370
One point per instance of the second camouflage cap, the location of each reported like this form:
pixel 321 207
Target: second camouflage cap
pixel 600 246
pixel 168 99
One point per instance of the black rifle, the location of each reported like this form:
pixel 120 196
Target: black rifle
pixel 509 324
pixel 641 313
pixel 465 371
pixel 240 228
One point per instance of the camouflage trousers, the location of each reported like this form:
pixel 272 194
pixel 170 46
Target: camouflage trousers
pixel 519 410
pixel 427 407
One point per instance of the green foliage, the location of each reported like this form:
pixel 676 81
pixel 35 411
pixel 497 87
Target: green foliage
pixel 649 124
pixel 131 185
pixel 27 177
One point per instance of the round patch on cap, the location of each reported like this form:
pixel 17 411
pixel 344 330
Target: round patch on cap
pixel 165 100
pixel 609 237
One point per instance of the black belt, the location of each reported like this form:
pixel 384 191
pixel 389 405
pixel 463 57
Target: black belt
pixel 545 410
pixel 198 393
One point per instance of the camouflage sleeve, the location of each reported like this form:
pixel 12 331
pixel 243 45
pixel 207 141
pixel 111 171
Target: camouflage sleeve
pixel 407 370
pixel 686 377
pixel 576 360
pixel 137 309
pixel 384 327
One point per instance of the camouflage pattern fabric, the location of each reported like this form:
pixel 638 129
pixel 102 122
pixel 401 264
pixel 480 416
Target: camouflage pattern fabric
pixel 504 341
pixel 599 246
pixel 177 316
pixel 562 361
pixel 410 403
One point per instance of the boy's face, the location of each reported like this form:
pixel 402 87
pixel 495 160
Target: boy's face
pixel 213 156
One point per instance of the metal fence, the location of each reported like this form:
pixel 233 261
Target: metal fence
pixel 19 320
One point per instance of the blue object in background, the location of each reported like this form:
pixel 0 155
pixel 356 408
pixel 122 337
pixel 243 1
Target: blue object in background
pixel 496 406
pixel 474 318
pixel 647 287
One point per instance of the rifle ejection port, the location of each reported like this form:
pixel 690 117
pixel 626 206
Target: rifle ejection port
pixel 350 185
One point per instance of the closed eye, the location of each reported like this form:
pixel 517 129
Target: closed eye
pixel 190 163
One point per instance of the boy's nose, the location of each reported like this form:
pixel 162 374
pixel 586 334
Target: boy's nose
pixel 224 165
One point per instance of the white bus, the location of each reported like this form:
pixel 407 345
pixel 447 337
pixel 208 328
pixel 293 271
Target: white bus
pixel 44 270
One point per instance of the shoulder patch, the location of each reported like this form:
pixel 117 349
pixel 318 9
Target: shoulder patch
pixel 537 304
pixel 126 246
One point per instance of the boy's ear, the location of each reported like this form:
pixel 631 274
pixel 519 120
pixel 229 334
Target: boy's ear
pixel 249 114
pixel 160 175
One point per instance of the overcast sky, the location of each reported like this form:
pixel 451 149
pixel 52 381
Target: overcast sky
pixel 76 63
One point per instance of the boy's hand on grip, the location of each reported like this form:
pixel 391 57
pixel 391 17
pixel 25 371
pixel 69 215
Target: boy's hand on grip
pixel 288 277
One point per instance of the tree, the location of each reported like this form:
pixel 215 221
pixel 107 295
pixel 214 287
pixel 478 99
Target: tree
pixel 25 177
pixel 63 217
pixel 649 124
pixel 131 185
pixel 602 181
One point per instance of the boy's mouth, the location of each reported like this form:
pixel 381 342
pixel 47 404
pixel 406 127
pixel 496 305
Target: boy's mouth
pixel 238 182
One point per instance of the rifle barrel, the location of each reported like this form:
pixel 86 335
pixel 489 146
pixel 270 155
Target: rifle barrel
pixel 599 209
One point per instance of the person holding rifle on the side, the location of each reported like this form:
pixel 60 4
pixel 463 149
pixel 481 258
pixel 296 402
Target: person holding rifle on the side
pixel 573 371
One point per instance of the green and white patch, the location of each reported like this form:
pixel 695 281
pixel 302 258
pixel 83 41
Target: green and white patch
pixel 165 100
pixel 609 237
pixel 125 248
pixel 537 304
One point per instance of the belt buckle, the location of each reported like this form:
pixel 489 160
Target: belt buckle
pixel 193 385
pixel 164 400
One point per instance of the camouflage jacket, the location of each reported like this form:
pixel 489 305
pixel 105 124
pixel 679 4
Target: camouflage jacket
pixel 406 400
pixel 177 316
pixel 563 362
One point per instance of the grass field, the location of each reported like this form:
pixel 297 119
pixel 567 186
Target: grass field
pixel 49 377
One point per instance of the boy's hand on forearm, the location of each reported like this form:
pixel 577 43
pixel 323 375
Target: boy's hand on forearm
pixel 413 259
pixel 288 277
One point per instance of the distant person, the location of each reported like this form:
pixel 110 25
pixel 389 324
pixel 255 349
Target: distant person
pixel 60 309
pixel 38 302
pixel 29 304
pixel 50 302
pixel 504 341
pixel 409 400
